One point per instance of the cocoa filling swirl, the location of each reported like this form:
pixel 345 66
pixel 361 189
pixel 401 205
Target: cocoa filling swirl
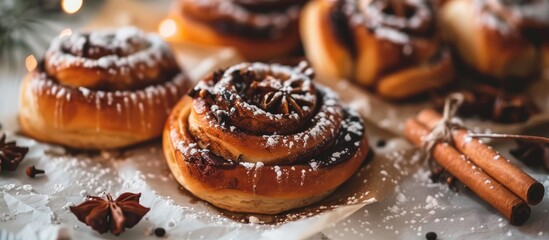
pixel 278 103
pixel 528 17
pixel 394 20
pixel 262 19
pixel 265 100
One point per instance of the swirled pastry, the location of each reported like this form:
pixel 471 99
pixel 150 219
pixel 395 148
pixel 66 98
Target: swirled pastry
pixel 503 39
pixel 388 46
pixel 258 29
pixel 263 138
pixel 103 89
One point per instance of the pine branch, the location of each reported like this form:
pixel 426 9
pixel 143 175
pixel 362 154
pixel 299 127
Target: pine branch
pixel 22 29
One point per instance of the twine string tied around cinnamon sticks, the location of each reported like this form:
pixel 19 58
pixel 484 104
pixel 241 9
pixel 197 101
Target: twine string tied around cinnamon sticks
pixel 442 131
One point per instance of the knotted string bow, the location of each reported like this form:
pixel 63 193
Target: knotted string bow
pixel 442 132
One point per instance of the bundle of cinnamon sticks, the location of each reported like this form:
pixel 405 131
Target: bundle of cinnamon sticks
pixel 489 175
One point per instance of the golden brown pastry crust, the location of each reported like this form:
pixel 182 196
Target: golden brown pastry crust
pixel 397 56
pixel 244 184
pixel 247 26
pixel 498 39
pixel 89 118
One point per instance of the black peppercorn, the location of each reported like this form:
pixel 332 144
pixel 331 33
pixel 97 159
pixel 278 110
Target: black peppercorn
pixel 431 236
pixel 159 232
pixel 381 143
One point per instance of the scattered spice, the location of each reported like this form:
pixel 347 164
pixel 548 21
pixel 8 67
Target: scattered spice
pixel 431 236
pixel 451 181
pixel 107 214
pixel 159 232
pixel 532 154
pixel 488 102
pixel 438 175
pixel 381 143
pixel 477 101
pixel 513 108
pixel 32 171
pixel 10 154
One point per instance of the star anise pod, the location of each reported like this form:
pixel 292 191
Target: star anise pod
pixel 282 96
pixel 10 154
pixel 488 102
pixel 512 108
pixel 533 154
pixel 477 101
pixel 107 214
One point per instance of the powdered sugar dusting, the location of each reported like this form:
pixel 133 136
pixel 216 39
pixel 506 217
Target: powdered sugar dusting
pixel 275 21
pixel 137 49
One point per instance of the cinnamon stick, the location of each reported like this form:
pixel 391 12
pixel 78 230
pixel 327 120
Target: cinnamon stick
pixel 513 136
pixel 490 161
pixel 512 207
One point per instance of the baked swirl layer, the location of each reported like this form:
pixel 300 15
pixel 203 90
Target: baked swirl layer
pixel 389 46
pixel 239 142
pixel 505 40
pixel 125 59
pixel 259 29
pixel 105 89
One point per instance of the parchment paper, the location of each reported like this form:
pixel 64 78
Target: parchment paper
pixel 70 176
pixel 38 208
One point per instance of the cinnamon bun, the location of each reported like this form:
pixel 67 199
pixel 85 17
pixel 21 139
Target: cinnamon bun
pixel 389 46
pixel 263 139
pixel 501 39
pixel 103 89
pixel 258 29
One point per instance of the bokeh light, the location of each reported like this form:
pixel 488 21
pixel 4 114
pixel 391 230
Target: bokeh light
pixel 71 6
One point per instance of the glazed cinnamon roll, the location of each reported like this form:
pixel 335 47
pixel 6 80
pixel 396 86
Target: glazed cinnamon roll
pixel 258 29
pixel 502 39
pixel 103 89
pixel 263 139
pixel 388 46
